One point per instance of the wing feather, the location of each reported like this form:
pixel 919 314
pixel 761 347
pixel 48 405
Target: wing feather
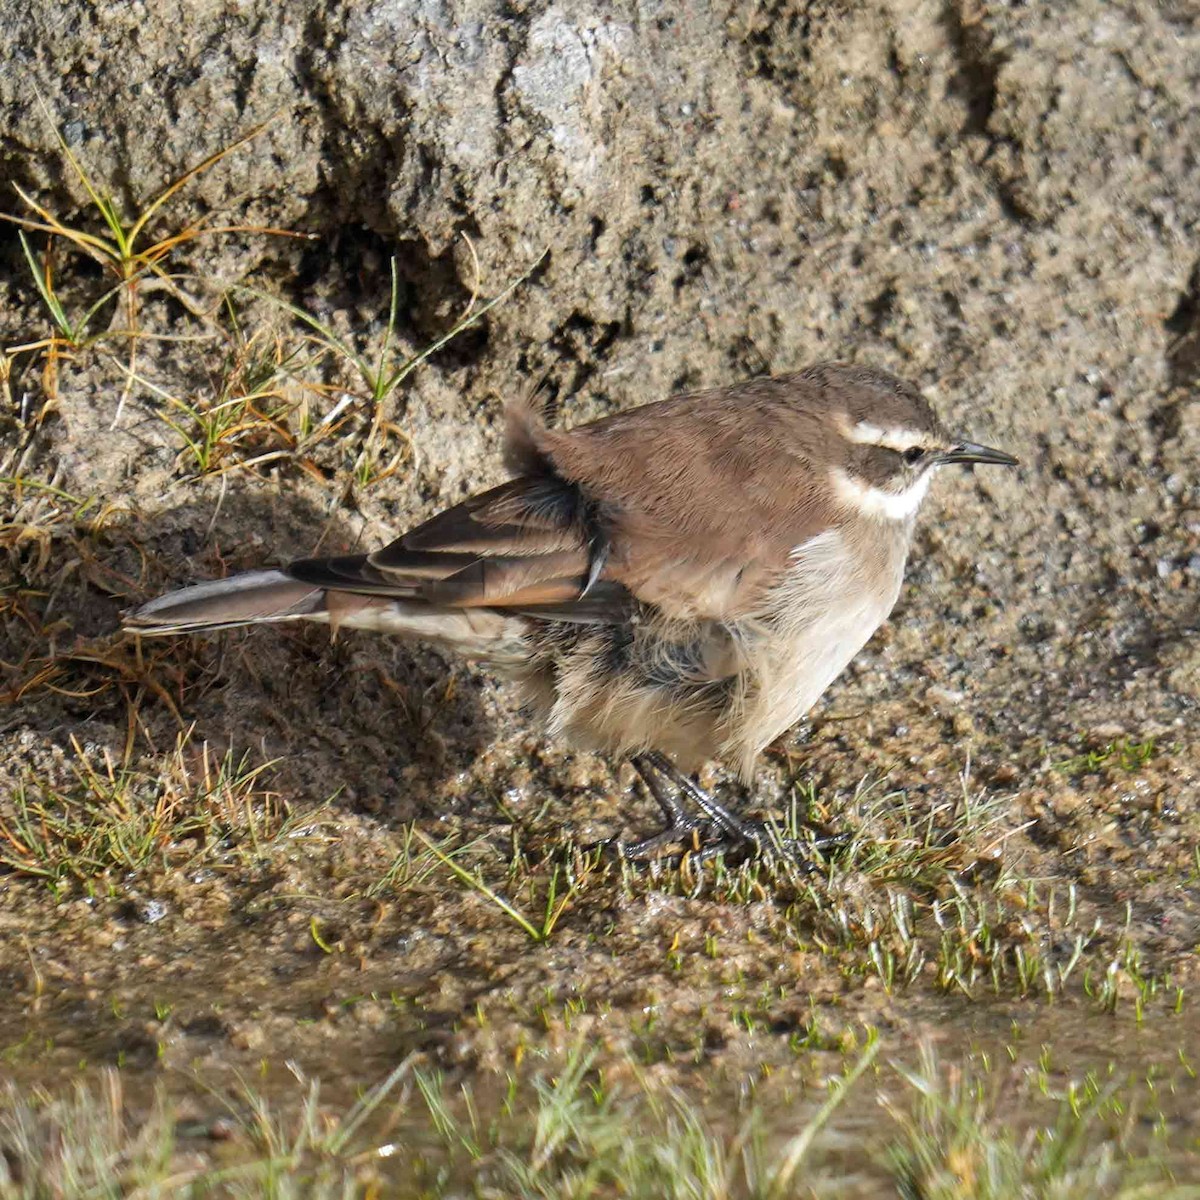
pixel 528 544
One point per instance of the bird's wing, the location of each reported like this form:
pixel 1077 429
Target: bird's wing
pixel 686 506
pixel 532 544
pixel 693 508
pixel 705 499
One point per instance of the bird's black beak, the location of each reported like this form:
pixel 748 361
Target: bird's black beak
pixel 972 452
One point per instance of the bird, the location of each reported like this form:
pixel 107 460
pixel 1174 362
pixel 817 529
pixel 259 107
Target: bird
pixel 675 583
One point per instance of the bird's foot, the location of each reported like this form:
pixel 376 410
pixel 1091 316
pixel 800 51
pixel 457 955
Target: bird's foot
pixel 717 830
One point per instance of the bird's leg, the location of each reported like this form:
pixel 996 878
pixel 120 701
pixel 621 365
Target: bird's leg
pixel 754 832
pixel 733 827
pixel 664 779
pixel 681 828
pixel 675 813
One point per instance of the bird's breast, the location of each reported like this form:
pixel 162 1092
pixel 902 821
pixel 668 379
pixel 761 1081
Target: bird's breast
pixel 822 611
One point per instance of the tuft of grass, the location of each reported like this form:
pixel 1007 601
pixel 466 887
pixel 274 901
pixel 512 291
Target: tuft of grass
pixel 574 1134
pixel 563 885
pixel 252 415
pixel 86 1143
pixel 315 1153
pixel 379 372
pixel 265 404
pixel 73 330
pixel 941 1132
pixel 48 540
pixel 192 806
pixel 407 869
pixel 93 1142
pixel 1123 754
pixel 956 1141
pixel 924 891
pixel 125 252
pixel 35 511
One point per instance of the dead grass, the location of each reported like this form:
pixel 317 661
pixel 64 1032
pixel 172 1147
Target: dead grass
pixel 956 1138
pixel 304 397
pixel 52 543
pixel 277 400
pixel 272 399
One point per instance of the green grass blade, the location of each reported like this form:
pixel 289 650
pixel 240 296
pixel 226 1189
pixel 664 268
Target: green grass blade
pixel 105 206
pixel 87 317
pixel 799 1146
pixel 363 1108
pixel 326 334
pixel 378 391
pixel 105 253
pixel 482 888
pixel 50 300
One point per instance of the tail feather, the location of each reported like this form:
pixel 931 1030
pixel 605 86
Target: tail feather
pixel 251 598
pixel 260 597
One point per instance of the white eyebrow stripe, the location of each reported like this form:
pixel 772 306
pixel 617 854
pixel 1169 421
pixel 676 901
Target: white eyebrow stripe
pixel 864 433
pixel 876 502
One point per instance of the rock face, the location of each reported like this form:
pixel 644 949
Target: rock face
pixel 997 201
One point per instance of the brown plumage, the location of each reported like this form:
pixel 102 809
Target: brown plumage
pixel 686 577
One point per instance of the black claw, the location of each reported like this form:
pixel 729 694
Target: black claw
pixel 684 839
pixel 676 815
pixel 733 827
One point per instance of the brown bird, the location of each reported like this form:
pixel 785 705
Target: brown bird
pixel 675 583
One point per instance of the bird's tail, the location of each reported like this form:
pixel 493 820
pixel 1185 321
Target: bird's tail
pixel 252 598
pixel 263 597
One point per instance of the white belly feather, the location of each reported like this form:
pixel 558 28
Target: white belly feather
pixel 817 622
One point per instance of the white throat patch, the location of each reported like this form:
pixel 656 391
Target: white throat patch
pixel 876 502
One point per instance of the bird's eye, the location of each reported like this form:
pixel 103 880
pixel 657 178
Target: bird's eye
pixel 913 455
